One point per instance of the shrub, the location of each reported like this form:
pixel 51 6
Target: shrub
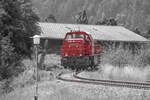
pixel 117 57
pixel 10 61
pixel 142 59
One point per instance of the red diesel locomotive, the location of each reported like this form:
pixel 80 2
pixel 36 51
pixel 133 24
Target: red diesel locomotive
pixel 79 50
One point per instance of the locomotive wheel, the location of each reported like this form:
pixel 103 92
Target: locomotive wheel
pixel 91 62
pixel 99 59
pixel 94 61
pixel 65 67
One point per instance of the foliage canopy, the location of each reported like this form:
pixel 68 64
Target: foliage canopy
pixel 18 23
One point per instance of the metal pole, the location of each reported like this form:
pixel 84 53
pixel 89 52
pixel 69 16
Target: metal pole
pixel 36 55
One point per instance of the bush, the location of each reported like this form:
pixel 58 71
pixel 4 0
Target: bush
pixel 142 59
pixel 10 61
pixel 117 57
pixel 122 57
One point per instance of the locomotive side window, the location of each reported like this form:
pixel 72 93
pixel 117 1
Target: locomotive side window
pixel 87 38
pixel 69 36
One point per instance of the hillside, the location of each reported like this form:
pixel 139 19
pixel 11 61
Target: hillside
pixel 130 13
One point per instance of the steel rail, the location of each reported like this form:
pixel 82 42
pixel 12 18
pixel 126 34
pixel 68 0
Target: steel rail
pixel 112 81
pixel 105 82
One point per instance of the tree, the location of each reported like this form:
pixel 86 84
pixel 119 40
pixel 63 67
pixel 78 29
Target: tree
pixel 17 23
pixel 51 18
pixel 107 21
pixel 147 35
pixel 82 18
pixel 136 30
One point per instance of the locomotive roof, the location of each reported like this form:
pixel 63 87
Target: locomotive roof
pixel 98 32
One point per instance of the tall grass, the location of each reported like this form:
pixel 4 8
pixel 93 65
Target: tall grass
pixel 29 75
pixel 126 73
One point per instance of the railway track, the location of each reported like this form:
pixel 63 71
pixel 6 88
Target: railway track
pixel 78 79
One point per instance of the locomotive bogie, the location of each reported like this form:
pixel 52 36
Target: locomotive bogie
pixel 78 62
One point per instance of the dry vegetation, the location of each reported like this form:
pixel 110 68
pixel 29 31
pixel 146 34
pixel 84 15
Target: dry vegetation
pixel 122 64
pixel 58 90
pixel 127 73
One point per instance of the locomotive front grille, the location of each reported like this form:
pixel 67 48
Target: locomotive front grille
pixel 75 61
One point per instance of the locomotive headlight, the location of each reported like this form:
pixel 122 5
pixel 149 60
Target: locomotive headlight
pixel 66 54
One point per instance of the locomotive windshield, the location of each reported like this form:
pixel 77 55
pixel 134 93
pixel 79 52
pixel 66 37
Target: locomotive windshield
pixel 74 36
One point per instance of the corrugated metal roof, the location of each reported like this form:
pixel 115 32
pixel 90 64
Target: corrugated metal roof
pixel 98 32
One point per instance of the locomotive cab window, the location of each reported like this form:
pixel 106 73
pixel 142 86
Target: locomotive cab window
pixel 74 36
